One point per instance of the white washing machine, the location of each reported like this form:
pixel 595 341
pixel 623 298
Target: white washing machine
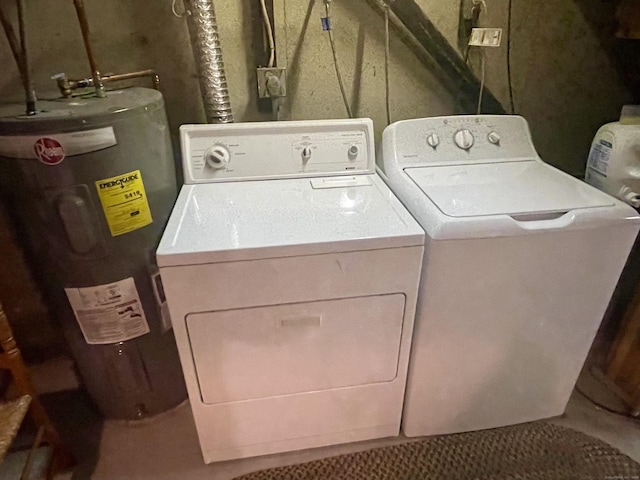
pixel 291 273
pixel 521 260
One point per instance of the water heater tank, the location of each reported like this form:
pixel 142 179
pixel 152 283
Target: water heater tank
pixel 614 162
pixel 90 183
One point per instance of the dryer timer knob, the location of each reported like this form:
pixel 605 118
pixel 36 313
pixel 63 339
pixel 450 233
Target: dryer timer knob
pixel 217 156
pixel 464 139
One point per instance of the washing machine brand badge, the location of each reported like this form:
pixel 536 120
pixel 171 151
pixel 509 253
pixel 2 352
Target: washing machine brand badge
pixel 49 151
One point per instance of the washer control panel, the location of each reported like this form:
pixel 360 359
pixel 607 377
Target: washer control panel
pixel 458 139
pixel 246 151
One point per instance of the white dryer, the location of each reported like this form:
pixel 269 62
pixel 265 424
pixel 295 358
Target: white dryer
pixel 521 260
pixel 291 273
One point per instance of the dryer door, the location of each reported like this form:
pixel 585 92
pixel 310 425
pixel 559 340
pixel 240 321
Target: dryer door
pixel 280 350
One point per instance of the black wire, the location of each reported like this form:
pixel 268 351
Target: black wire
pixel 343 92
pixel 509 22
pixel 604 407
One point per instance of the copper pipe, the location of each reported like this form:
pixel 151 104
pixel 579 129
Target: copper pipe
pixel 20 54
pixel 30 94
pixel 67 85
pixel 16 50
pixel 128 76
pixel 84 26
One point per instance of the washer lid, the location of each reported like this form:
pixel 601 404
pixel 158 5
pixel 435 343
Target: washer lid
pixel 504 188
pixel 231 221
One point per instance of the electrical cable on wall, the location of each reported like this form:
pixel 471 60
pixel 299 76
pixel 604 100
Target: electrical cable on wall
pixel 269 30
pixel 326 25
pixel 475 14
pixel 386 63
pixel 482 67
pixel 481 5
pixel 509 23
pixel 176 13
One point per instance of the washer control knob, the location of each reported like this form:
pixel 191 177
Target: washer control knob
pixel 433 140
pixel 353 152
pixel 217 156
pixel 494 138
pixel 306 153
pixel 464 139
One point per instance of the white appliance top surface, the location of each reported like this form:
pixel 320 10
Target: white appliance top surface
pixel 504 188
pixel 229 221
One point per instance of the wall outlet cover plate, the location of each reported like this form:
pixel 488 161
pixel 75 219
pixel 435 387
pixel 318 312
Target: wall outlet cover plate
pixel 279 88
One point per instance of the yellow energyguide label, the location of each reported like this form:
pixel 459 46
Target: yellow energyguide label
pixel 124 202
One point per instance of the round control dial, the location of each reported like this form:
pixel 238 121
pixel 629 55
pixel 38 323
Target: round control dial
pixel 217 156
pixel 433 140
pixel 464 139
pixel 494 138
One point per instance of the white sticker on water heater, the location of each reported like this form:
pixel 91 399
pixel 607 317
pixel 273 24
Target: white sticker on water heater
pixel 61 145
pixel 109 313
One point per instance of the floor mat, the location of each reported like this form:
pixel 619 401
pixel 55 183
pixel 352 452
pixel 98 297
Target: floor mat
pixel 534 451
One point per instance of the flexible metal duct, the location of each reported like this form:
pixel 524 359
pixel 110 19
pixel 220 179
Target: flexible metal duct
pixel 208 55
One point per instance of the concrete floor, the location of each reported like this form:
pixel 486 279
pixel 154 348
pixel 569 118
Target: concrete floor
pixel 166 447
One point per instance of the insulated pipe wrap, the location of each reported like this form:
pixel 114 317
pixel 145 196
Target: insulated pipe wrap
pixel 208 55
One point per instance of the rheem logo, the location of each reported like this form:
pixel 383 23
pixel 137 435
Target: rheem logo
pixel 48 151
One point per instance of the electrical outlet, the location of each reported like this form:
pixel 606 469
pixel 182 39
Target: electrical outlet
pixel 272 82
pixel 486 37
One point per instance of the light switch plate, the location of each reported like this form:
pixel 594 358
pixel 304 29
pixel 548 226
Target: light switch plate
pixel 486 37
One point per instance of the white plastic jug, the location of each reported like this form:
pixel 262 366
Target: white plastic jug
pixel 614 161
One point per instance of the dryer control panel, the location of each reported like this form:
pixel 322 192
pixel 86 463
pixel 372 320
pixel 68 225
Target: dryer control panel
pixel 458 140
pixel 255 151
